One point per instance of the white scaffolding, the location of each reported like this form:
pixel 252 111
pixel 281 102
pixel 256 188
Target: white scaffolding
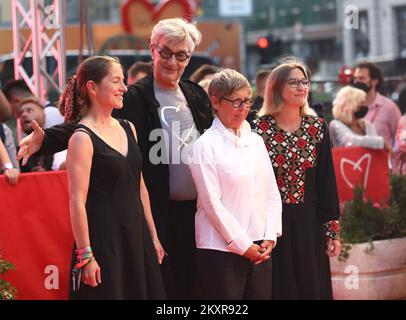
pixel 38 32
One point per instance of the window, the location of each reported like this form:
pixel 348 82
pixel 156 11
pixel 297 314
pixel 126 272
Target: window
pixel 401 28
pixel 99 10
pixel 361 39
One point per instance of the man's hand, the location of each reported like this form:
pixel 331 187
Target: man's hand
pixel 388 147
pixel 31 143
pixel 11 176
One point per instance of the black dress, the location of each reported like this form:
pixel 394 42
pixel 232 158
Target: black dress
pixel 119 235
pixel 304 172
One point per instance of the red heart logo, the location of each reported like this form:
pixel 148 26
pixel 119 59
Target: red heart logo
pixel 139 16
pixel 356 172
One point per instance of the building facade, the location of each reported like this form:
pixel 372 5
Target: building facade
pixel 375 30
pixel 308 29
pixel 324 33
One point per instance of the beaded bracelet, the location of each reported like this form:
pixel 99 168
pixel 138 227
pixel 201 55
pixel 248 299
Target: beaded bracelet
pixel 84 257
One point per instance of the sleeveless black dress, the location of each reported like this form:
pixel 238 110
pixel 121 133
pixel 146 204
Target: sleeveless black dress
pixel 119 234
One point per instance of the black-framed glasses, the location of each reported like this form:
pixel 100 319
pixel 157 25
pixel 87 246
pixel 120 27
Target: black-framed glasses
pixel 238 102
pixel 167 54
pixel 294 82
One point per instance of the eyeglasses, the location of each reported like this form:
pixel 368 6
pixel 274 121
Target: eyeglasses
pixel 167 54
pixel 294 82
pixel 238 102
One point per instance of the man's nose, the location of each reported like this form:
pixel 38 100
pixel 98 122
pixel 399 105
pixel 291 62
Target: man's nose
pixel 172 59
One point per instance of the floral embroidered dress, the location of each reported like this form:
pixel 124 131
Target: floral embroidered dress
pixel 304 172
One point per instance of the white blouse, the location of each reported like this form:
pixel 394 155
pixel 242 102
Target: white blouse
pixel 238 198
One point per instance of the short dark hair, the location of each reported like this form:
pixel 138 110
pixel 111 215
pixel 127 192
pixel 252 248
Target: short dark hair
pixel 262 75
pixel 140 66
pixel 374 72
pixel 32 100
pixel 18 86
pixel 202 71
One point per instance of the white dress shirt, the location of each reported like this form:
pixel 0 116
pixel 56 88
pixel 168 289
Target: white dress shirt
pixel 238 198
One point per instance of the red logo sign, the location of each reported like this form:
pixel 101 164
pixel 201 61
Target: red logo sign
pixel 356 166
pixel 139 16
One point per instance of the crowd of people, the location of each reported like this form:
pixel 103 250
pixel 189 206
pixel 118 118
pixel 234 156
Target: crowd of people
pixel 191 189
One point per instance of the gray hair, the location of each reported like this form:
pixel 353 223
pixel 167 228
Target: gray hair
pixel 176 30
pixel 226 81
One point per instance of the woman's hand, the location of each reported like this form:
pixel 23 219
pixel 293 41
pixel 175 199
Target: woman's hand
pixel 402 148
pixel 266 247
pixel 91 274
pixel 253 253
pixel 160 252
pixel 333 248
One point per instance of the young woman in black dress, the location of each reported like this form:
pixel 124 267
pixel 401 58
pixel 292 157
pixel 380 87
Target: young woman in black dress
pixel 117 247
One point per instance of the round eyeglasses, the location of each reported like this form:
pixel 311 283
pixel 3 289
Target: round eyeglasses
pixel 238 103
pixel 294 83
pixel 167 54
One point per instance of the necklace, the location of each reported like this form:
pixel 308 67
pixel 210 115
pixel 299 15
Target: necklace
pixel 107 137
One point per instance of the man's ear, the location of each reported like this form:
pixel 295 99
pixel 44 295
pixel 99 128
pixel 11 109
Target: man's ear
pixel 41 121
pixel 374 83
pixel 151 51
pixel 190 57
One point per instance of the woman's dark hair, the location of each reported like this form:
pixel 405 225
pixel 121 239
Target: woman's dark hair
pixel 75 102
pixel 203 71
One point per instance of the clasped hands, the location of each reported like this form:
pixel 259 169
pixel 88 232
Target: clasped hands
pixel 259 253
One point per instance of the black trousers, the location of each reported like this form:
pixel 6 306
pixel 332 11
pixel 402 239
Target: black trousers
pixel 178 269
pixel 228 276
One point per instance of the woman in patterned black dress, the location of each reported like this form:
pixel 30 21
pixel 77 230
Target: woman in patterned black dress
pixel 118 251
pixel 299 148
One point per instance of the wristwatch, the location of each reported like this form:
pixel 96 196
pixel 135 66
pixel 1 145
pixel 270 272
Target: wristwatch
pixel 8 165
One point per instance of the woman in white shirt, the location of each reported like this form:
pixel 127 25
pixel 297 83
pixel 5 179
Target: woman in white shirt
pixel 239 208
pixel 349 128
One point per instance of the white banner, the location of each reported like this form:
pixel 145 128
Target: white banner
pixel 235 8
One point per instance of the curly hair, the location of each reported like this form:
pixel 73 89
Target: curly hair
pixel 75 102
pixel 68 100
pixel 346 102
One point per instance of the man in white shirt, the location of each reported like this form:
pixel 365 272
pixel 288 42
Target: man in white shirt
pixel 239 207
